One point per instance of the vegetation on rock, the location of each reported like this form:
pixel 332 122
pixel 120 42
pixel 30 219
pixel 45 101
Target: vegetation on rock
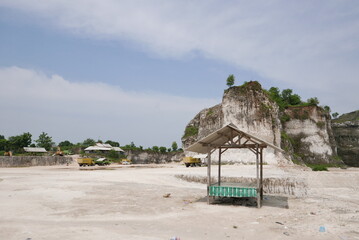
pixel 190 131
pixel 230 80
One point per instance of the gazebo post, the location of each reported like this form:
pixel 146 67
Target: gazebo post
pixel 219 166
pixel 261 172
pixel 208 174
pixel 258 179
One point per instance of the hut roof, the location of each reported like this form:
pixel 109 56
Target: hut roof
pixel 223 136
pixel 35 149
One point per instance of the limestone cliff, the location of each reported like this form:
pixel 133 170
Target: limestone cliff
pixel 346 132
pixel 306 132
pixel 309 130
pixel 250 109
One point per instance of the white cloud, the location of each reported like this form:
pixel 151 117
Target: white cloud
pixel 311 46
pixel 32 101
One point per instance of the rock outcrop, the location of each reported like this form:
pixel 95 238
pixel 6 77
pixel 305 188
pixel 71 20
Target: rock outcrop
pixel 305 134
pixel 250 109
pixel 346 132
pixel 310 133
pixel 147 157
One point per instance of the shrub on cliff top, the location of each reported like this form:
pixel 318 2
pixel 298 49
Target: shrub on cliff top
pixel 230 80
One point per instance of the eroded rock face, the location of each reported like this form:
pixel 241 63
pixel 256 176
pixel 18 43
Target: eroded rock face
pixel 346 132
pixel 310 131
pixel 204 123
pixel 248 108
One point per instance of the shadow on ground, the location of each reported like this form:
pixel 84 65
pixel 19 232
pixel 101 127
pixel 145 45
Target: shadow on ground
pixel 268 201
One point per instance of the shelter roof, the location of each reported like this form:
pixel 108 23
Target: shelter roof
pixel 35 149
pixel 223 137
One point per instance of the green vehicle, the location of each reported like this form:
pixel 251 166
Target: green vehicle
pixel 102 162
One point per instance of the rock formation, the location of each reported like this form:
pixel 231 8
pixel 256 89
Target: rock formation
pixel 305 134
pixel 346 132
pixel 310 134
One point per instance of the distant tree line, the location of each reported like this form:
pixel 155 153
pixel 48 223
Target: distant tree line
pixel 17 143
pixel 132 146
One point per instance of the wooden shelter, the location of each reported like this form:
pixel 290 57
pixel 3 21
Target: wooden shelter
pixel 230 137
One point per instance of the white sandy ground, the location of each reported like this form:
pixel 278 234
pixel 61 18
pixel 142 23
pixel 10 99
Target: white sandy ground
pixel 63 202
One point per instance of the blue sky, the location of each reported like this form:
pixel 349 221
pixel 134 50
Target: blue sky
pixel 140 70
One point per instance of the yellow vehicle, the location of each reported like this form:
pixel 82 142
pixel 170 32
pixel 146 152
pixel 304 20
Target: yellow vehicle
pixel 191 161
pixel 86 161
pixel 59 152
pixel 83 162
pixel 125 161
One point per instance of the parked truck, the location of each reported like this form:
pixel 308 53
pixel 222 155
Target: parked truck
pixel 191 161
pixel 86 161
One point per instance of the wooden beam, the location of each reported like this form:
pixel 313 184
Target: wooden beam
pixel 243 146
pixel 224 150
pixel 252 150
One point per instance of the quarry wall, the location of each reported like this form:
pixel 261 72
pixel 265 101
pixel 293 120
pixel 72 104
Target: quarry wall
pixel 145 157
pixel 29 161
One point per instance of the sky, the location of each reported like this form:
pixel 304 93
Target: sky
pixel 139 71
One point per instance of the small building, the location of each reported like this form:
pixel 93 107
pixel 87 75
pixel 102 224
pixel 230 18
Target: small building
pixel 35 150
pixel 102 147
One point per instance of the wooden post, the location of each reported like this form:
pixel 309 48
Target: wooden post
pixel 208 174
pixel 258 180
pixel 219 167
pixel 261 172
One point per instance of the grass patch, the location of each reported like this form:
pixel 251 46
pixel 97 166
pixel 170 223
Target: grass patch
pixel 210 112
pixel 320 124
pixel 318 167
pixel 190 131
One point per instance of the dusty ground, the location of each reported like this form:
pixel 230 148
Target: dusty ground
pixel 63 202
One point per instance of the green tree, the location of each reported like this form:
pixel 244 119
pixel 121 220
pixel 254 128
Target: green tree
pixel 113 143
pixel 3 145
pixel 113 154
pixel 44 141
pixel 230 80
pixel 289 98
pixel 327 109
pixel 313 101
pixel 163 149
pixel 294 100
pixel 155 148
pixel 2 137
pixel 88 142
pixel 17 143
pixel 335 115
pixel 286 93
pixel 174 146
pixel 275 95
pixel 65 144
